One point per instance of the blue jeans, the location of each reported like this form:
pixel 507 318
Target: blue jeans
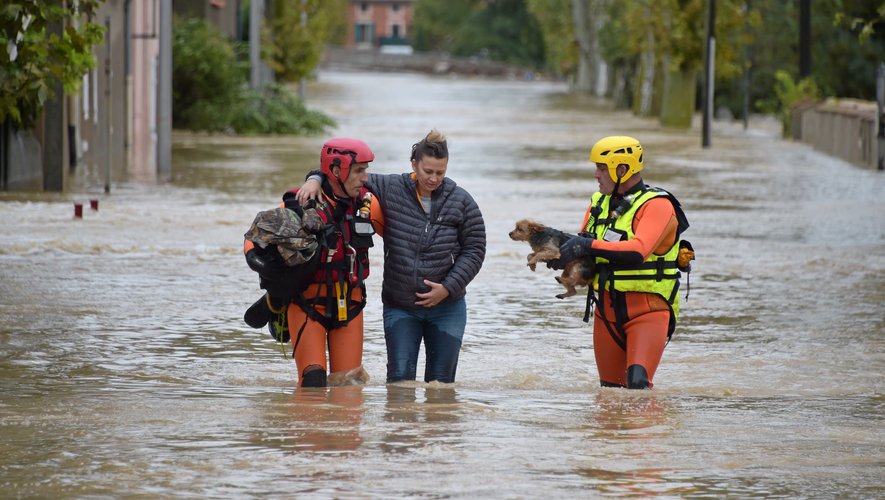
pixel 441 328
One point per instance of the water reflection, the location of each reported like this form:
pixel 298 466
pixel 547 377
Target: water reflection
pixel 622 414
pixel 420 415
pixel 318 420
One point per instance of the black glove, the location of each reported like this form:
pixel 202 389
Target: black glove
pixel 574 248
pixel 555 264
pixel 264 263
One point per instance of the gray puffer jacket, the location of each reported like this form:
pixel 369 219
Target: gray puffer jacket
pixel 448 248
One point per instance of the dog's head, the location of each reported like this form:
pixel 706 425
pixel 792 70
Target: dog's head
pixel 524 230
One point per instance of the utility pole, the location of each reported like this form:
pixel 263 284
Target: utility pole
pixel 709 70
pixel 804 38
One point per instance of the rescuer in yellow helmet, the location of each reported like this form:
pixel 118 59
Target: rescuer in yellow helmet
pixel 632 232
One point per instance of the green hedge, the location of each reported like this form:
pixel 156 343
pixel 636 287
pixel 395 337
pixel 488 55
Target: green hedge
pixel 211 91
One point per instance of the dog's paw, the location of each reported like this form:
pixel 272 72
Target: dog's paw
pixel 532 266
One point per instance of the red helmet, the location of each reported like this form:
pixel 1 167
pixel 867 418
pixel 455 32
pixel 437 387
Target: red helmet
pixel 343 152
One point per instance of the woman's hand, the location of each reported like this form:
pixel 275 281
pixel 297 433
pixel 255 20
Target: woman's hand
pixel 437 294
pixel 311 190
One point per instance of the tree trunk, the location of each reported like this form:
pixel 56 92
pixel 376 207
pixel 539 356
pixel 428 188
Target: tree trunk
pixel 585 37
pixel 588 17
pixel 679 98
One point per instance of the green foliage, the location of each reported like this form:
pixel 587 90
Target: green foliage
pixel 275 110
pixel 788 93
pixel 436 23
pixel 294 51
pixel 502 30
pixel 206 76
pixel 859 17
pixel 844 54
pixel 676 29
pixel 505 31
pixel 35 59
pixel 555 21
pixel 210 90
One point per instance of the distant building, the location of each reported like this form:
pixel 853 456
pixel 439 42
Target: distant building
pixel 376 23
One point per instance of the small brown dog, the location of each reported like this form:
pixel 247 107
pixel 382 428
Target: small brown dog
pixel 545 242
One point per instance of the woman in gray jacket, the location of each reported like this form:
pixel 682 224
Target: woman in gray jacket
pixel 434 245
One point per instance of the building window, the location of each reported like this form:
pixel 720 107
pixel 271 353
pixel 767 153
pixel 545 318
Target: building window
pixel 395 7
pixel 364 33
pixel 395 32
pixel 364 6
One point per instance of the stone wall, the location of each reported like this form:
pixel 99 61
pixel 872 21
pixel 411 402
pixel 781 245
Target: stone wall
pixel 844 128
pixel 425 62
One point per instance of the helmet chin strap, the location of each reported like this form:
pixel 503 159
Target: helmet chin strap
pixel 340 180
pixel 343 189
pixel 617 184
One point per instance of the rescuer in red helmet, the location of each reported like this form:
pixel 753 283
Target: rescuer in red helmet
pixel 319 302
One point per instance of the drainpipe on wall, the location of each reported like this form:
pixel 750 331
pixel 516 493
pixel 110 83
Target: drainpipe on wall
pixel 880 117
pixel 107 107
pixel 164 94
pixel 127 74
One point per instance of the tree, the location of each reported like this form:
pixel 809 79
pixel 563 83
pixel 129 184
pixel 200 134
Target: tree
pixel 37 58
pixel 860 17
pixel 437 23
pixel 206 74
pixel 210 91
pixel 295 51
pixel 666 37
pixel 555 20
pixel 502 30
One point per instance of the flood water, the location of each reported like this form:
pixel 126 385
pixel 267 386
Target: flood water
pixel 127 370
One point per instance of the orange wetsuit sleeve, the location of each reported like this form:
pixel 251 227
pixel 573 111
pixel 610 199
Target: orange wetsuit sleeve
pixel 654 231
pixel 377 216
pixel 586 218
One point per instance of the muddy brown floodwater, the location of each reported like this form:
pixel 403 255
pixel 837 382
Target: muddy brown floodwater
pixel 127 371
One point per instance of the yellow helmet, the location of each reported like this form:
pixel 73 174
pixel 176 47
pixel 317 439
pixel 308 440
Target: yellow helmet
pixel 617 150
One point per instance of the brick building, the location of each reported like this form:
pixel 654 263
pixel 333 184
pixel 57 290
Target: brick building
pixel 376 23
